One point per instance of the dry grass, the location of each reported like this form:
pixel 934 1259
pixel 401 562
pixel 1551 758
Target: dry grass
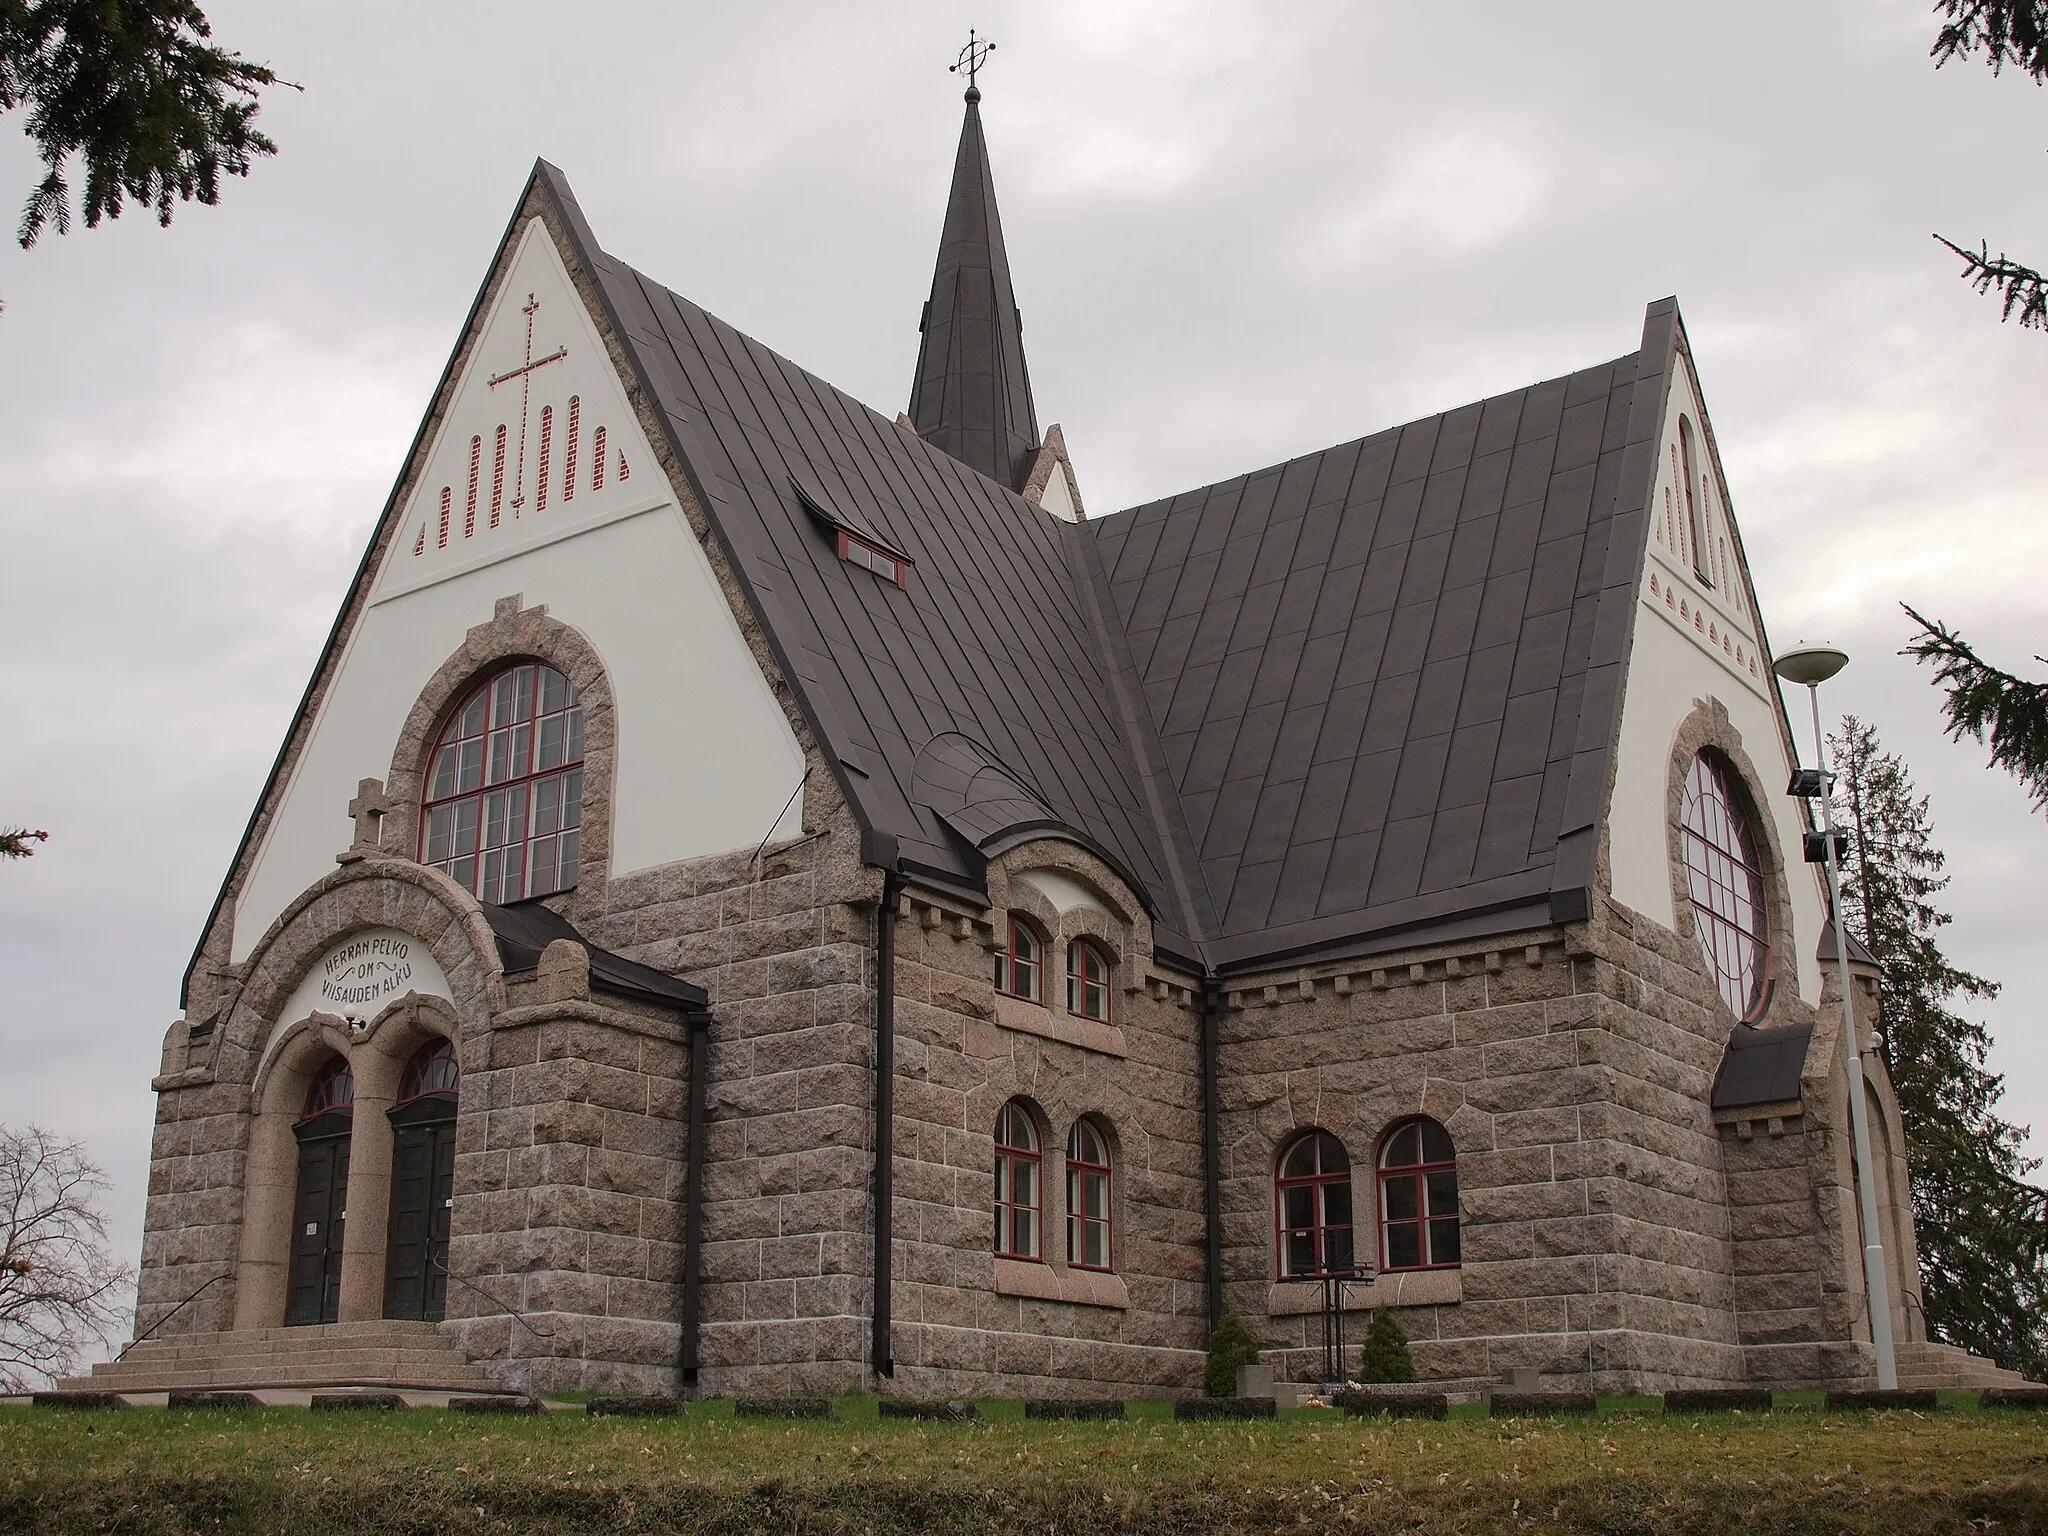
pixel 289 1471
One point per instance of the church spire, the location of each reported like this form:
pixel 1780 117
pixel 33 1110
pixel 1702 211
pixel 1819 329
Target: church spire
pixel 972 394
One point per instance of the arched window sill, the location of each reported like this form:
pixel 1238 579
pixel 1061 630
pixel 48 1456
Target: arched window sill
pixel 1044 1282
pixel 1037 1019
pixel 1404 1288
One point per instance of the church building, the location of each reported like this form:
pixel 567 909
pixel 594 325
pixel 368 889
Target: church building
pixel 763 895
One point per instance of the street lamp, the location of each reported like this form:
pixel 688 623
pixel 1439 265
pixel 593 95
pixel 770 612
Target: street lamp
pixel 1812 665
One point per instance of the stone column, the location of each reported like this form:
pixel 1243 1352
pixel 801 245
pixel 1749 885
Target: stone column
pixel 364 1241
pixel 270 1191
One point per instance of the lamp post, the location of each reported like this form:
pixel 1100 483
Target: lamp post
pixel 1812 665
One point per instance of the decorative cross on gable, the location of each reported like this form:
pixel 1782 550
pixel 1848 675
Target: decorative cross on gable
pixel 524 374
pixel 369 808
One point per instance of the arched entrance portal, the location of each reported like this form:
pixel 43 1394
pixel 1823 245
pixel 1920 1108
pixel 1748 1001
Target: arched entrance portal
pixel 422 1185
pixel 321 1208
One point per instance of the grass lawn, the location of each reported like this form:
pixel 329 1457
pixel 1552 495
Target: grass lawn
pixel 285 1470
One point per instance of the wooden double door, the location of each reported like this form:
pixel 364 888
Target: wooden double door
pixel 422 1198
pixel 319 1219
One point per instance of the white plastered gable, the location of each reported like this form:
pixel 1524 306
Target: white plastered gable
pixel 1697 636
pixel 705 760
pixel 538 443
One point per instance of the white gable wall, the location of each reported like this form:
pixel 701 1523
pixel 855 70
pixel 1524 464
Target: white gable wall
pixel 705 759
pixel 1696 639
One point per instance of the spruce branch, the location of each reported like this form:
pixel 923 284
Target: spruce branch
pixel 1987 703
pixel 135 90
pixel 2022 288
pixel 2011 32
pixel 15 841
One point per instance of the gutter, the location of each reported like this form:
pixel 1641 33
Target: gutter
pixel 699 1026
pixel 881 1354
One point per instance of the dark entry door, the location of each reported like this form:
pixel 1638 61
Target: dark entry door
pixel 318 1218
pixel 422 1195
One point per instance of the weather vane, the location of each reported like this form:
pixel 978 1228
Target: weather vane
pixel 972 57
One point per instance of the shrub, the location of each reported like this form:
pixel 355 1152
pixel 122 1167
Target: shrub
pixel 1230 1346
pixel 1385 1357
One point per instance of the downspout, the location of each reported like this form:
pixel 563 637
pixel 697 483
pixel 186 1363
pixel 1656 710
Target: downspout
pixel 699 1026
pixel 1212 1151
pixel 881 1354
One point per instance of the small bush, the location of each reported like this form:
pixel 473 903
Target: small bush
pixel 1385 1357
pixel 1230 1346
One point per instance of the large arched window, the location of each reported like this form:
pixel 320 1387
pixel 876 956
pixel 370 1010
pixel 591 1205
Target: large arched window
pixel 1724 878
pixel 1313 1193
pixel 1017 1183
pixel 1088 1192
pixel 1418 1198
pixel 504 803
pixel 1020 963
pixel 1088 981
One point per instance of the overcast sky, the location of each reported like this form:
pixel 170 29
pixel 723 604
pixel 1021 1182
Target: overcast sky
pixel 1240 232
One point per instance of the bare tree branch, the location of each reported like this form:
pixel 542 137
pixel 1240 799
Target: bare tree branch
pixel 59 1286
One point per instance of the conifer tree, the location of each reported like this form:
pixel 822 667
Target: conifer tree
pixel 1385 1357
pixel 134 90
pixel 16 842
pixel 1983 1242
pixel 1230 1346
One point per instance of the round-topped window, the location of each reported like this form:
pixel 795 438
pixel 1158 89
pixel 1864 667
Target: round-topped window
pixel 504 802
pixel 1724 878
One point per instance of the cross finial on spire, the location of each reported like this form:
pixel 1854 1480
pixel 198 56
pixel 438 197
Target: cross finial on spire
pixel 972 57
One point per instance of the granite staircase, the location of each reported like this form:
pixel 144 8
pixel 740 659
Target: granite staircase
pixel 1924 1363
pixel 413 1356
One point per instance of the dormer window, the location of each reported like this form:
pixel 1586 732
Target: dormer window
pixel 855 550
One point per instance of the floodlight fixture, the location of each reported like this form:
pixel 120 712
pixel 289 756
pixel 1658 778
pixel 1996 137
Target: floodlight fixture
pixel 1808 665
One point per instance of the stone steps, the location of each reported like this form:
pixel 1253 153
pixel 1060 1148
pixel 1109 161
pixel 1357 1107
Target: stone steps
pixel 378 1354
pixel 1923 1364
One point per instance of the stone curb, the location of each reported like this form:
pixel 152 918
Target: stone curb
pixel 1719 1400
pixel 954 1411
pixel 382 1401
pixel 782 1408
pixel 494 1405
pixel 1198 1409
pixel 1073 1408
pixel 1359 1403
pixel 1532 1405
pixel 190 1398
pixel 79 1400
pixel 1922 1400
pixel 2013 1397
pixel 652 1406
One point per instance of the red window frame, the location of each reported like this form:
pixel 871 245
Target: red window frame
pixel 1088 996
pixel 1418 1199
pixel 333 1087
pixel 1020 1199
pixel 1090 1196
pixel 432 1069
pixel 1724 877
pixel 1012 964
pixel 855 550
pixel 1695 514
pixel 1312 1208
pixel 510 752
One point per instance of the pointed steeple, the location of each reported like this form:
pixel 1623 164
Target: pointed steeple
pixel 972 394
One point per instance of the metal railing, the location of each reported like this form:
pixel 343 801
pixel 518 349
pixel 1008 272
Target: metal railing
pixel 181 1306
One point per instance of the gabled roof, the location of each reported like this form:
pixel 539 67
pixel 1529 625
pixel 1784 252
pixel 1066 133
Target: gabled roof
pixel 1384 675
pixel 972 392
pixel 1362 697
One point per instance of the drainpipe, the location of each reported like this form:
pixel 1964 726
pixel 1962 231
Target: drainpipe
pixel 881 1354
pixel 699 1026
pixel 1212 1151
